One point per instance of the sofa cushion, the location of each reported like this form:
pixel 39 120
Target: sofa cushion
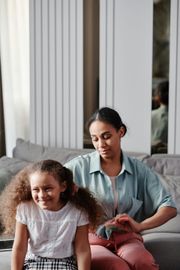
pixel 163 242
pixel 5 258
pixel 168 168
pixel 13 165
pixel 164 164
pixel 8 168
pixel 171 226
pixel 165 249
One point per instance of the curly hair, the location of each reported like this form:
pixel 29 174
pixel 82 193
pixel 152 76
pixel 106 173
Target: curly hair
pixel 18 190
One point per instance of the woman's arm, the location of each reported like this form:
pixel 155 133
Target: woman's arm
pixel 19 246
pixel 82 248
pixel 162 215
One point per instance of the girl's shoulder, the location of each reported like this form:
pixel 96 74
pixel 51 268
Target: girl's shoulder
pixel 27 208
pixel 25 211
pixel 26 205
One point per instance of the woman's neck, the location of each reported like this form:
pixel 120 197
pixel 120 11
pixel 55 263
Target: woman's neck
pixel 112 167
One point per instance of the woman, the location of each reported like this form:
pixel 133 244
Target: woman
pixel 131 194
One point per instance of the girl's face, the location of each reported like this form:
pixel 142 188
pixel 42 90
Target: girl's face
pixel 106 139
pixel 45 190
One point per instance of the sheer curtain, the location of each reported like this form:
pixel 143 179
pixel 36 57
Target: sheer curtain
pixel 14 51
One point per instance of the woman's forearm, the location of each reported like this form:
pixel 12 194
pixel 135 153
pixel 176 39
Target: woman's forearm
pixel 160 217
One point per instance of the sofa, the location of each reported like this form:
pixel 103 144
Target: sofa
pixel 163 242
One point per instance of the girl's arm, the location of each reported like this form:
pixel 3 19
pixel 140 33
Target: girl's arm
pixel 19 247
pixel 82 248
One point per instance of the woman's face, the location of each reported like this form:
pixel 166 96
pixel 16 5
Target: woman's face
pixel 45 190
pixel 106 139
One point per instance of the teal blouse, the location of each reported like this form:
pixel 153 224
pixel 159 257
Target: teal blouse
pixel 140 192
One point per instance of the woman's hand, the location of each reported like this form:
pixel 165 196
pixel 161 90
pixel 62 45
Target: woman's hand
pixel 162 215
pixel 127 221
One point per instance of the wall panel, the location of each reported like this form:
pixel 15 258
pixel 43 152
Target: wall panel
pixel 126 66
pixel 56 35
pixel 174 91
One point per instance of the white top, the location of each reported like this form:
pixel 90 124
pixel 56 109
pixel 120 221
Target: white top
pixel 114 189
pixel 113 179
pixel 51 233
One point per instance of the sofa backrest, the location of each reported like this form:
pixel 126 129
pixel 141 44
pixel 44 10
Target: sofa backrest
pixel 31 152
pixel 164 164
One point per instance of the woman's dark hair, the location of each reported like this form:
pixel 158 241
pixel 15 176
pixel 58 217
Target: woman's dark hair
pixel 109 116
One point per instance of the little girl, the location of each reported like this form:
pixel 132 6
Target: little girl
pixel 52 217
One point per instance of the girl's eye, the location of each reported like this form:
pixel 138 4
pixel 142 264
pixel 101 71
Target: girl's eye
pixel 48 189
pixel 35 190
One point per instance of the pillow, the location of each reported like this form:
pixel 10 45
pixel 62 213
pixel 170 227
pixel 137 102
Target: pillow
pixel 5 177
pixel 28 151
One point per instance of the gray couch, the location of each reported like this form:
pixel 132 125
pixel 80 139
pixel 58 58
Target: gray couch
pixel 163 242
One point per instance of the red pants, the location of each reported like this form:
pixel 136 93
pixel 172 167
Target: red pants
pixel 125 253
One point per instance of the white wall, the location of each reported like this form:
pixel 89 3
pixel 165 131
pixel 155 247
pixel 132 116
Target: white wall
pixel 126 66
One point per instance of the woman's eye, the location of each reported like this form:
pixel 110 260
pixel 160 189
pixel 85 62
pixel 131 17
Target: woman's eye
pixel 106 136
pixel 94 139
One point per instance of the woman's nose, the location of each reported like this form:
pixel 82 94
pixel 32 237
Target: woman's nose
pixel 101 143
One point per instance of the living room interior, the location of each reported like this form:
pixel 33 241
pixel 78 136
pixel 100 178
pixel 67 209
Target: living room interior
pixel 61 60
pixel 66 71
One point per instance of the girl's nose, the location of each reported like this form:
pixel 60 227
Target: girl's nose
pixel 42 194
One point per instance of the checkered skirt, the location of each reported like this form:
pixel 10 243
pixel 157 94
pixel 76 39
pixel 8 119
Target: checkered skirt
pixel 40 263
